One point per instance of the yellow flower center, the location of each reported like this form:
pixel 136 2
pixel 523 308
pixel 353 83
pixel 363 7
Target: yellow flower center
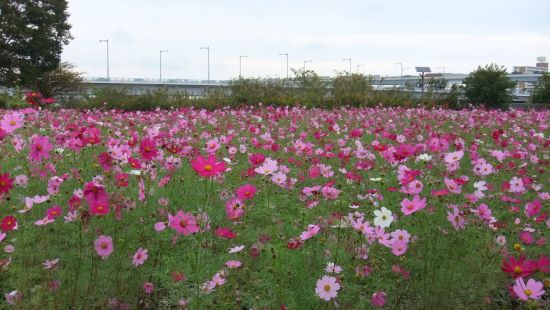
pixel 3 183
pixel 518 270
pixel 528 292
pixel 327 287
pixel 208 167
pixel 12 123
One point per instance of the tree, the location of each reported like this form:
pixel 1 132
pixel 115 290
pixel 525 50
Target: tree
pixel 541 93
pixel 488 86
pixel 63 81
pixel 32 35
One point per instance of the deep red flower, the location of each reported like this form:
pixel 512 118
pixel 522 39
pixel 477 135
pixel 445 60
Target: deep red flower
pixel 518 268
pixel 8 223
pixel 225 233
pixel 6 183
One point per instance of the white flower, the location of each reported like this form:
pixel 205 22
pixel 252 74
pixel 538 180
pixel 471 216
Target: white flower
pixel 383 217
pixel 480 186
pixel 236 249
pixel 424 157
pixel 375 179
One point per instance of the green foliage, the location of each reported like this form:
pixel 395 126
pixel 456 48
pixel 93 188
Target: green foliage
pixel 62 82
pixel 310 88
pixel 489 86
pixel 351 89
pixel 541 93
pixel 32 35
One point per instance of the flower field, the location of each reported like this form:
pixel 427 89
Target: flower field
pixel 274 208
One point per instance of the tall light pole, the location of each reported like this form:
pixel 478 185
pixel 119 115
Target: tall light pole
pixel 358 66
pixel 240 64
pixel 207 48
pixel 305 61
pixel 348 59
pixel 285 54
pixel 160 64
pixel 107 41
pixel 401 72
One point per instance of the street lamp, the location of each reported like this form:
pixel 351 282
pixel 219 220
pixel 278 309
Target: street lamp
pixel 305 64
pixel 348 59
pixel 240 64
pixel 207 48
pixel 285 54
pixel 107 41
pixel 401 72
pixel 160 64
pixel 358 66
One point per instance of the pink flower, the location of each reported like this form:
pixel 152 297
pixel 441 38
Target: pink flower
pixel 516 185
pixel 104 246
pixel 246 192
pixel 40 148
pixel 409 207
pixel 184 223
pixel 378 299
pixel 12 121
pixel 398 247
pixel 234 209
pixel 311 231
pixel 268 167
pixel 232 264
pixel 51 264
pixel 327 288
pixel 456 219
pixel 530 290
pixel 148 288
pixel 140 257
pixel 332 268
pixel 330 192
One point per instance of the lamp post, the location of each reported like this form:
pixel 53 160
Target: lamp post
pixel 107 41
pixel 348 59
pixel 207 48
pixel 285 54
pixel 305 61
pixel 240 64
pixel 160 64
pixel 401 72
pixel 358 66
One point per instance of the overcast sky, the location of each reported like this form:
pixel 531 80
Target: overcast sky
pixel 457 35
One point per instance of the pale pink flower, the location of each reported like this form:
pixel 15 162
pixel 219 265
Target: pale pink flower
pixel 327 288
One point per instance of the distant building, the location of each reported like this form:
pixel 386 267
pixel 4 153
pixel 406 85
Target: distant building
pixel 540 67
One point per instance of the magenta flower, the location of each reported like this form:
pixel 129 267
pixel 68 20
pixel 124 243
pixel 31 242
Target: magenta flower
pixel 246 192
pixel 104 246
pixel 148 149
pixel 40 148
pixel 378 299
pixel 311 231
pixel 207 167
